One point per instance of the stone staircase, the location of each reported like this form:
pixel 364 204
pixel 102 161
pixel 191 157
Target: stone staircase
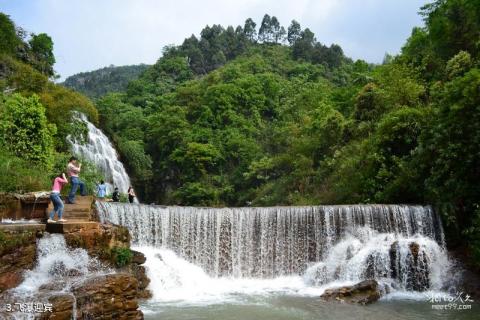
pixel 78 216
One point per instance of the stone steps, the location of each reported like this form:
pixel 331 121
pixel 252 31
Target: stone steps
pixel 23 227
pixel 81 209
pixel 70 226
pixel 77 215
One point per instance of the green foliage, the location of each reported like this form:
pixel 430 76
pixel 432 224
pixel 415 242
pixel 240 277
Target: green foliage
pixel 121 256
pixel 20 175
pixel 95 84
pixel 58 101
pixel 9 40
pixel 449 147
pixel 9 242
pixel 453 26
pixel 230 118
pixel 36 52
pixel 24 129
pixel 41 47
pixel 458 65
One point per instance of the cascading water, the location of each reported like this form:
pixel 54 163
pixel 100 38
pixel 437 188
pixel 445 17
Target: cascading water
pixel 56 261
pixel 57 269
pixel 101 152
pixel 299 248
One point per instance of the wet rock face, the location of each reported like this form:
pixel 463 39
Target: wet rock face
pixel 62 307
pixel 413 274
pixel 112 296
pixel 99 241
pixel 136 269
pixel 364 292
pixel 17 253
pixel 138 257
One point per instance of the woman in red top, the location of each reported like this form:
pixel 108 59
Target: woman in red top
pixel 58 205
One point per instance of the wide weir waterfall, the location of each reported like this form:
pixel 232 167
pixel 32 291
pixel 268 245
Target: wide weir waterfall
pixel 99 150
pixel 400 246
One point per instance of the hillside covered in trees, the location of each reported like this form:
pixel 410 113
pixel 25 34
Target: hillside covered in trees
pixel 97 83
pixel 268 115
pixel 35 114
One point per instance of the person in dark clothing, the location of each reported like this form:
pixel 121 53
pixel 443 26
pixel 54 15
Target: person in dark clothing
pixel 116 195
pixel 131 194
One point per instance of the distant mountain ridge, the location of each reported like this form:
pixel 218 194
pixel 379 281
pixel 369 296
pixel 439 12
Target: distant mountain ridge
pixel 97 83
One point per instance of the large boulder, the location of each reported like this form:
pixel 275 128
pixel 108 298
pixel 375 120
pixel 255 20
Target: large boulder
pixel 112 296
pixel 364 292
pixel 138 257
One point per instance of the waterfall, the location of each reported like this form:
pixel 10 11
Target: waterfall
pixel 57 268
pixel 398 244
pixel 100 151
pixel 57 262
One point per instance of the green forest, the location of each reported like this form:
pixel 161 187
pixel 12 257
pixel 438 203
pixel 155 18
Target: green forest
pixel 263 115
pixel 95 84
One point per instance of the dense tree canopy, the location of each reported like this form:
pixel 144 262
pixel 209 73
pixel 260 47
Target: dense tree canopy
pixel 236 118
pixel 95 84
pixel 35 113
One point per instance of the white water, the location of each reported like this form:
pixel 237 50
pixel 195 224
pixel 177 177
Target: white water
pixel 101 152
pixel 207 255
pixel 57 269
pixel 55 261
pixel 21 221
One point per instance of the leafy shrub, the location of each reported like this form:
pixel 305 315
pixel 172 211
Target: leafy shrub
pixel 121 256
pixel 20 175
pixel 24 129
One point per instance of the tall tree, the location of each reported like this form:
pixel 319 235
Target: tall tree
pixel 278 32
pixel 453 26
pixel 303 47
pixel 265 34
pixel 294 32
pixel 41 46
pixel 249 29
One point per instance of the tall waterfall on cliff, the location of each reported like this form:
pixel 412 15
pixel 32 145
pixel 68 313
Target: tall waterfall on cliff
pixel 101 152
pixel 401 246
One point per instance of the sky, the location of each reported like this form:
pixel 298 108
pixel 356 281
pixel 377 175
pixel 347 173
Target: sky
pixel 91 34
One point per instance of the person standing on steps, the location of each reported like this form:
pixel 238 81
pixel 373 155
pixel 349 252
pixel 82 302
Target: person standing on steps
pixel 101 190
pixel 58 205
pixel 116 195
pixel 131 194
pixel 73 170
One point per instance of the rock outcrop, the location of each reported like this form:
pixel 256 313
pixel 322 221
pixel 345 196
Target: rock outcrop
pixel 108 297
pixel 100 241
pixel 103 242
pixel 136 269
pixel 112 296
pixel 17 253
pixel 62 307
pixel 364 292
pixel 415 276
